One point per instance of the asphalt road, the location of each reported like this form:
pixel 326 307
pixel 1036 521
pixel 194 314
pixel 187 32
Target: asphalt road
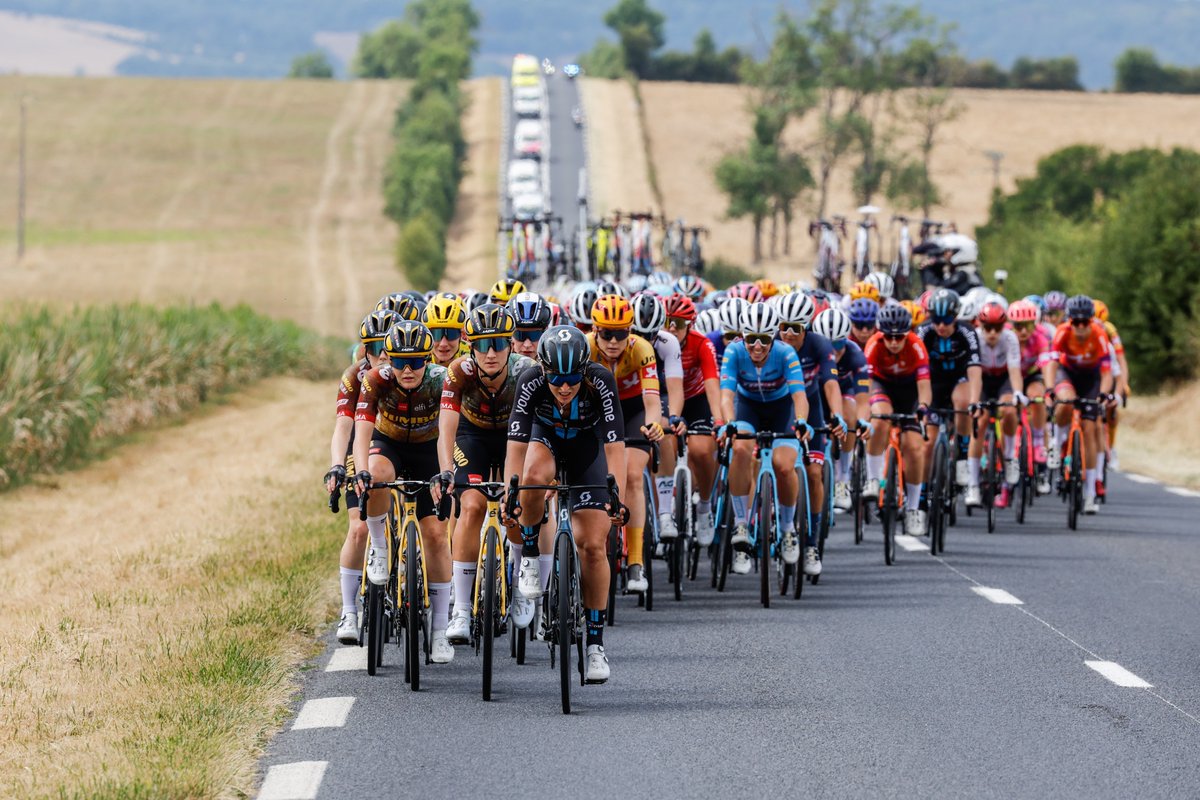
pixel 568 154
pixel 879 682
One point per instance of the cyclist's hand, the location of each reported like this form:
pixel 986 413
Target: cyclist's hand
pixel 864 429
pixel 362 480
pixel 335 478
pixel 801 429
pixel 678 423
pixel 838 425
pixel 1021 398
pixel 922 412
pixel 653 432
pixel 1110 401
pixel 439 484
pixel 726 432
pixel 618 513
pixel 976 410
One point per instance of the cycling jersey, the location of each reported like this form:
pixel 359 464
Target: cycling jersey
pixel 818 362
pixel 949 356
pixel 666 351
pixel 909 365
pixel 997 359
pixel 636 370
pixel 594 408
pixel 1035 352
pixel 482 410
pixel 699 360
pixel 1114 338
pixel 407 417
pixel 347 402
pixel 717 340
pixel 853 376
pixel 779 376
pixel 1078 355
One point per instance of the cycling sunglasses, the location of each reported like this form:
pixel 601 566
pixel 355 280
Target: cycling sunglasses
pixel 564 379
pixel 943 320
pixel 858 327
pixel 613 335
pixel 1024 326
pixel 497 343
pixel 792 327
pixel 895 337
pixel 838 344
pixel 729 336
pixel 677 323
pixel 993 328
pixel 1080 323
pixel 527 336
pixel 415 363
pixel 452 334
pixel 374 348
pixel 764 339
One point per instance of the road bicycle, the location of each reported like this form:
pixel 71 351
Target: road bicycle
pixel 693 259
pixel 562 609
pixel 1025 489
pixel 991 472
pixel 401 604
pixel 828 270
pixel 864 262
pixel 942 491
pixel 901 264
pixel 721 549
pixel 682 553
pixel 1073 471
pixel 891 492
pixel 858 480
pixel 618 552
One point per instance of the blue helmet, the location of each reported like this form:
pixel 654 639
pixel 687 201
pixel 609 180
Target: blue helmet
pixel 863 311
pixel 1038 301
pixel 894 320
pixel 530 310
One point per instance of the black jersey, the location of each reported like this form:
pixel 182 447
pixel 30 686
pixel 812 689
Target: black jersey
pixel 950 356
pixel 594 410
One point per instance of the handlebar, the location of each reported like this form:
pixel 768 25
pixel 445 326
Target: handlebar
pixel 896 419
pixel 492 490
pixel 405 487
pixel 512 505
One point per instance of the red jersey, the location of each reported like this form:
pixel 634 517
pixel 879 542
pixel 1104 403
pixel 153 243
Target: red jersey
pixel 1075 354
pixel 911 363
pixel 699 363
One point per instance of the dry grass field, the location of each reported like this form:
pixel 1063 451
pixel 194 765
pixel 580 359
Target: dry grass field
pixel 263 192
pixel 471 240
pixel 618 173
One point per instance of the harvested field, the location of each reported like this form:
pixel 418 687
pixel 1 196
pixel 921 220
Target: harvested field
pixel 471 241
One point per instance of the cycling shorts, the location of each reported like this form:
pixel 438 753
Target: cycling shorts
pixel 585 463
pixel 943 393
pixel 476 454
pixel 995 387
pixel 773 415
pixel 633 411
pixel 1034 376
pixel 696 411
pixel 416 462
pixel 903 399
pixel 1086 383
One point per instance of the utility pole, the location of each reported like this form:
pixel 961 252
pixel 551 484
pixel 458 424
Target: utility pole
pixel 21 185
pixel 996 158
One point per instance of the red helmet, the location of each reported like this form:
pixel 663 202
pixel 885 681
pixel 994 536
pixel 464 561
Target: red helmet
pixel 992 314
pixel 1023 311
pixel 923 300
pixel 681 307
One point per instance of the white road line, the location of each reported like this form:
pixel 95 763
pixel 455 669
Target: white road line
pixel 1133 476
pixel 297 781
pixel 911 543
pixel 1183 492
pixel 1118 674
pixel 997 596
pixel 347 658
pixel 326 712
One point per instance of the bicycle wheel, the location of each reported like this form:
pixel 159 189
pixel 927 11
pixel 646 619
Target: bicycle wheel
pixel 649 538
pixel 827 510
pixel 767 525
pixel 724 544
pixel 1024 487
pixel 992 479
pixel 802 524
pixel 490 608
pixel 1075 483
pixel 858 476
pixel 614 571
pixel 564 571
pixel 887 514
pixel 413 600
pixel 374 628
pixel 682 513
pixel 937 480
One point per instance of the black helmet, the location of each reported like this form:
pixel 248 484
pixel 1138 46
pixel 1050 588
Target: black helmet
pixel 408 338
pixel 944 303
pixel 376 325
pixel 1081 307
pixel 489 321
pixel 401 303
pixel 895 319
pixel 563 350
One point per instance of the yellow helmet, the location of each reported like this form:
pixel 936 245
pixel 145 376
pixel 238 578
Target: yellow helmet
pixel 444 312
pixel 612 311
pixel 864 289
pixel 504 289
pixel 1101 309
pixel 914 308
pixel 767 287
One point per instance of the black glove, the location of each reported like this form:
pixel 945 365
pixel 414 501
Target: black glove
pixel 363 478
pixel 922 411
pixel 338 472
pixel 445 478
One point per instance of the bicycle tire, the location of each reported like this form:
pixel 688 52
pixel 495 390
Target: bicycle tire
pixel 374 628
pixel 1075 485
pixel 803 520
pixel 888 513
pixel 1024 484
pixel 649 538
pixel 614 571
pixel 490 609
pixel 767 524
pixel 995 474
pixel 724 544
pixel 858 476
pixel 564 569
pixel 412 607
pixel 827 511
pixel 681 499
pixel 937 478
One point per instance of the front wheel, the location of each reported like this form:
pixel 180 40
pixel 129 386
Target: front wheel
pixel 413 602
pixel 490 609
pixel 890 508
pixel 374 628
pixel 766 531
pixel 937 479
pixel 560 598
pixel 858 477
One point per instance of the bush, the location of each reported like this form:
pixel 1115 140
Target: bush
pixel 720 272
pixel 311 65
pixel 420 250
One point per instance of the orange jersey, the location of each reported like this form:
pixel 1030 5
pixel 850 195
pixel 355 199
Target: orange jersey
pixel 1091 352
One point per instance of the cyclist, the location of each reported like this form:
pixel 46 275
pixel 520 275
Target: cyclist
pixel 1082 352
pixel 445 316
pixel 1056 307
pixel 899 367
pixel 1120 380
pixel 477 398
pixel 853 380
pixel 729 327
pixel 1000 357
pixel 955 375
pixel 395 428
pixel 819 365
pixel 580 309
pixel 863 314
pixel 884 283
pixel 371 334
pixel 865 289
pixel 762 389
pixel 504 290
pixel 701 397
pixel 630 359
pixel 563 413
pixel 532 314
pixel 399 302
pixel 1035 351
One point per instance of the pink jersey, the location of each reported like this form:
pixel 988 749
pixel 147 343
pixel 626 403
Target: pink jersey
pixel 1035 352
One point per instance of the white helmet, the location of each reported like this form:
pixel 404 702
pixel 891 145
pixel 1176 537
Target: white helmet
pixel 883 282
pixel 580 308
pixel 706 321
pixel 732 312
pixel 649 315
pixel 832 323
pixel 797 308
pixel 996 297
pixel 636 283
pixel 610 287
pixel 760 318
pixel 968 310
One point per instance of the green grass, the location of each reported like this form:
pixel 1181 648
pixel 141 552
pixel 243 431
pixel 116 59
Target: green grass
pixel 73 381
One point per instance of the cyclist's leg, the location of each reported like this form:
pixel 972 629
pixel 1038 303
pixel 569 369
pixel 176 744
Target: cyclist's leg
pixel 741 478
pixel 473 456
pixel 382 465
pixel 637 458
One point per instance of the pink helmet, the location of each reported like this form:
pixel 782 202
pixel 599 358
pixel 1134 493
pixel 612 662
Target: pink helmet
pixel 1023 311
pixel 747 291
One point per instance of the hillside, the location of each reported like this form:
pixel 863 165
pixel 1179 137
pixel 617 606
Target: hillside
pixel 236 191
pixel 691 126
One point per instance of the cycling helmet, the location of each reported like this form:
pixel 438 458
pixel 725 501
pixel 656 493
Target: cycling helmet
pixel 408 338
pixel 731 315
pixel 1081 307
pixel 661 276
pixel 556 313
pixel 612 311
pixel 399 302
pixel 1023 311
pixel 883 282
pixel 832 323
pixel 1101 310
pixel 968 309
pixel 863 312
pixel 894 320
pixel 474 300
pixel 865 289
pixel 716 298
pixel 376 325
pixel 747 291
pixel 1055 301
pixel 944 303
pixel 918 313
pixel 649 316
pixel 505 289
pixel 610 287
pixel 443 312
pixel 707 321
pixel 992 313
pixel 427 296
pixel 760 318
pixel 1038 301
pixel 797 308
pixel 580 309
pixel 490 321
pixel 636 283
pixel 529 310
pixel 767 287
pixel 680 306
pixel 563 350
pixel 661 289
pixel 690 287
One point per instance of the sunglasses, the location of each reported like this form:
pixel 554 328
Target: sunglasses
pixel 858 327
pixel 792 327
pixel 415 363
pixel 452 334
pixel 564 379
pixel 677 323
pixel 838 344
pixel 764 339
pixel 1080 323
pixel 895 337
pixel 612 335
pixel 729 336
pixel 993 328
pixel 497 343
pixel 1023 326
pixel 527 336
pixel 374 348
pixel 943 320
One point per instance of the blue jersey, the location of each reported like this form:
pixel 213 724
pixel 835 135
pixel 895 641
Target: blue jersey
pixel 718 342
pixel 853 375
pixel 779 376
pixel 819 365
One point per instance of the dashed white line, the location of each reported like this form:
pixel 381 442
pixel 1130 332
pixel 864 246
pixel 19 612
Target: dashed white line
pixel 1183 492
pixel 910 543
pixel 997 596
pixel 299 780
pixel 1133 476
pixel 1118 674
pixel 326 712
pixel 347 658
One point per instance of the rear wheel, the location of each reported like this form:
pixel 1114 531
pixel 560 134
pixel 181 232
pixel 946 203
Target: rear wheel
pixel 682 517
pixel 992 472
pixel 649 537
pixel 937 480
pixel 890 508
pixel 1024 488
pixel 614 571
pixel 723 544
pixel 858 476
pixel 1075 481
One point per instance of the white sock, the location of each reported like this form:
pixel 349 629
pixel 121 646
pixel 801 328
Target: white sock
pixel 546 565
pixel 973 469
pixel 704 512
pixel 514 553
pixel 1010 445
pixel 874 467
pixel 439 603
pixel 351 580
pixel 739 508
pixel 912 496
pixel 666 488
pixel 1089 484
pixel 1100 463
pixel 377 527
pixel 464 584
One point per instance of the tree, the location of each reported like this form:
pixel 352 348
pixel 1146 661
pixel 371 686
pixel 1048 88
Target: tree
pixel 1046 74
pixel 605 60
pixel 640 30
pixel 742 176
pixel 419 251
pixel 390 51
pixel 311 65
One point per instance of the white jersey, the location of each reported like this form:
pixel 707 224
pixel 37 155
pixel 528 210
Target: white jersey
pixel 1003 356
pixel 670 364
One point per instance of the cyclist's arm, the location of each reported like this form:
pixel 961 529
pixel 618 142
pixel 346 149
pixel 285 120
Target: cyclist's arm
pixel 712 392
pixel 614 457
pixel 800 404
pixel 974 384
pixel 726 405
pixel 729 379
pixel 363 430
pixel 341 439
pixel 924 392
pixel 514 458
pixel 447 433
pixel 833 398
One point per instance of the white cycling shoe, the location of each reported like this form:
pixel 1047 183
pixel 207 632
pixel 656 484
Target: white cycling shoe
pixel 841 496
pixel 914 522
pixel 705 533
pixel 522 610
pixel 1090 506
pixel 347 631
pixel 741 563
pixel 974 498
pixel 596 670
pixel 812 561
pixel 440 649
pixel 741 536
pixel 635 578
pixel 459 629
pixel 871 490
pixel 1053 460
pixel 791 548
pixel 1012 471
pixel 962 472
pixel 1043 485
pixel 377 566
pixel 666 527
pixel 530 582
